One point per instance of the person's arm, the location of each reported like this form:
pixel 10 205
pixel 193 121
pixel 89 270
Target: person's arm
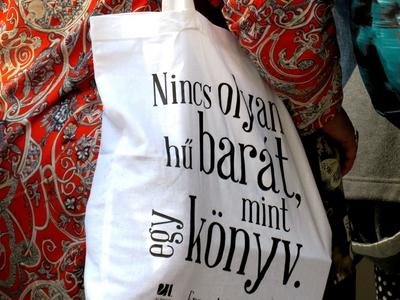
pixel 341 130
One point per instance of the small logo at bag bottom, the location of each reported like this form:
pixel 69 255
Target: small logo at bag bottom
pixel 164 290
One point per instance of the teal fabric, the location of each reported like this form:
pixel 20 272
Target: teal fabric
pixel 376 39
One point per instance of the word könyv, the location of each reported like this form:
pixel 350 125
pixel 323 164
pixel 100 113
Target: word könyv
pixel 215 246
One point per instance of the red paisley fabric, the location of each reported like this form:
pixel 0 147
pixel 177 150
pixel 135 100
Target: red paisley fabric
pixel 50 116
pixel 293 44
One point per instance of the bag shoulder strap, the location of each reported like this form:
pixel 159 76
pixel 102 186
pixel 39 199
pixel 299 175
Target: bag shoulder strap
pixel 177 5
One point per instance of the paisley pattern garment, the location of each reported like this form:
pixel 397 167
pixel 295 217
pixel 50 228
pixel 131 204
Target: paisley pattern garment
pixel 293 44
pixel 50 116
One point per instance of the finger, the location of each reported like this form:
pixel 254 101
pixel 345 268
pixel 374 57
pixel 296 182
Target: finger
pixel 350 153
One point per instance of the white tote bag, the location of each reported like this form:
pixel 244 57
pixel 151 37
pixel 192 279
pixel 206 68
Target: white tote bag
pixel 202 188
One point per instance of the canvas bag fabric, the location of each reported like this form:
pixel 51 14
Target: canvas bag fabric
pixel 202 188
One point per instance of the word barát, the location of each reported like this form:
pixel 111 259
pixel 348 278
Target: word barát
pixel 220 156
